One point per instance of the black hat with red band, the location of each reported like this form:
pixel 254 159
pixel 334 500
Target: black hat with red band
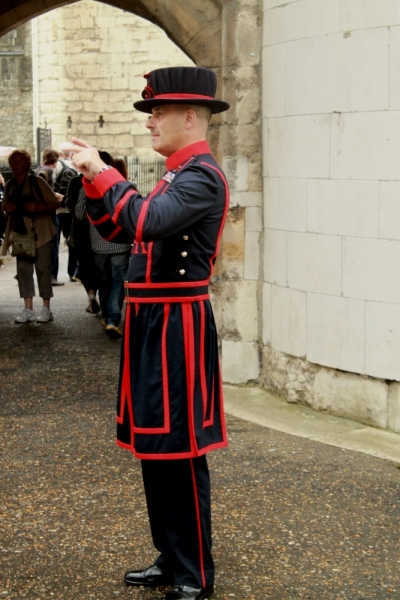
pixel 181 85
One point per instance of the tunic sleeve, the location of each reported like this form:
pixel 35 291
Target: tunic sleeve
pixel 195 192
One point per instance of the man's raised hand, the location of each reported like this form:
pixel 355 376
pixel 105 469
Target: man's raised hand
pixel 86 159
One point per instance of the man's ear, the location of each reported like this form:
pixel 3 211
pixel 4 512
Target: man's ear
pixel 190 118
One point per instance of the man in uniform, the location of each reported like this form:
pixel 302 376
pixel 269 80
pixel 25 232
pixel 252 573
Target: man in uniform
pixel 170 405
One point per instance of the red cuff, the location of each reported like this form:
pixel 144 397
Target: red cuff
pixel 91 190
pixel 102 183
pixel 106 180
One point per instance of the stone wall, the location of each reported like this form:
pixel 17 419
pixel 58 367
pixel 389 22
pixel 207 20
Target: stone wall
pixel 91 62
pixel 16 89
pixel 331 116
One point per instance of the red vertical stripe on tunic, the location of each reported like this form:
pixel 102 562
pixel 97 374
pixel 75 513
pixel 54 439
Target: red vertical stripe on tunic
pixel 202 366
pixel 143 211
pixel 126 396
pixel 188 335
pixel 164 358
pixel 225 212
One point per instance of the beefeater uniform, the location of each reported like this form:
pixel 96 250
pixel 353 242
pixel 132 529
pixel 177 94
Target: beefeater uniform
pixel 170 404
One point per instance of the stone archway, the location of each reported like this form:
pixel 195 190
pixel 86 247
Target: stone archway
pixel 224 36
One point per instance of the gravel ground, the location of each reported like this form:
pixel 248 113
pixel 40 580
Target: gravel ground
pixel 293 519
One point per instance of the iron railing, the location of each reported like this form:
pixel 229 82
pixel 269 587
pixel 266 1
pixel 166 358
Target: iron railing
pixel 145 172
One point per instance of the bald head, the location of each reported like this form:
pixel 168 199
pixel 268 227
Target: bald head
pixel 65 149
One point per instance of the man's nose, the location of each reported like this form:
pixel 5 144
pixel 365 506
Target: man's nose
pixel 149 123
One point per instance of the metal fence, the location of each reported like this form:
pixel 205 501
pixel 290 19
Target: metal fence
pixel 144 172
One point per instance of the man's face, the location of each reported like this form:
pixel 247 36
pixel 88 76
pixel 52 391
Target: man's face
pixel 167 129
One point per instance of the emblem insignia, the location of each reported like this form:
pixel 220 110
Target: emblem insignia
pixel 168 177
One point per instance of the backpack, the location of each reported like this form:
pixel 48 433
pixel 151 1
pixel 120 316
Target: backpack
pixel 63 178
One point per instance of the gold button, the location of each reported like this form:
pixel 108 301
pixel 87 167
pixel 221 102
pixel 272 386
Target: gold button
pixel 186 237
pixel 182 272
pixel 184 254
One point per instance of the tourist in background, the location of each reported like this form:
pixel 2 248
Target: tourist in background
pixel 79 239
pixel 64 172
pixel 30 204
pixel 112 261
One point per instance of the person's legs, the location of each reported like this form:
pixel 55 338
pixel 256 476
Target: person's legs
pixel 43 263
pixel 56 248
pixel 65 220
pixel 26 287
pixel 179 506
pixel 103 271
pixel 119 270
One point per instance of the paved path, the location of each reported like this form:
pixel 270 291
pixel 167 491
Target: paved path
pixel 294 518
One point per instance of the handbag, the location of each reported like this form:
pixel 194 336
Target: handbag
pixel 24 244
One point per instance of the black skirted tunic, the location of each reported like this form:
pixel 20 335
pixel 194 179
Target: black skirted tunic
pixel 170 402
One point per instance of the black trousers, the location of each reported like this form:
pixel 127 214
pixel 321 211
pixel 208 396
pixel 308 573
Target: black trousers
pixel 179 506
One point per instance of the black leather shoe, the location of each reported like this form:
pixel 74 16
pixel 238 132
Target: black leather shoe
pixel 185 592
pixel 150 577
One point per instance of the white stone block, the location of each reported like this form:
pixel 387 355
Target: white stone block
pixel 366 14
pixel 336 332
pixel 332 73
pixel 240 362
pixel 343 207
pixel 394 407
pixel 247 310
pixel 245 199
pixel 275 256
pixel 285 204
pixel 351 396
pixel 304 19
pixel 298 146
pixel 370 269
pixel 253 219
pixel 394 92
pixel 366 146
pixel 266 313
pixel 242 175
pixel 271 203
pixel 382 349
pixel 268 4
pixel 288 324
pixel 389 220
pixel 273 81
pixel 293 204
pixel 251 255
pixel 264 134
pixel 240 309
pixel 314 263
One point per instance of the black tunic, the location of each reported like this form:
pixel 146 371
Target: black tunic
pixel 170 402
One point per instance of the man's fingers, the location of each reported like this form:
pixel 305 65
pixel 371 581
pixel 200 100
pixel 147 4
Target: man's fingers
pixel 80 143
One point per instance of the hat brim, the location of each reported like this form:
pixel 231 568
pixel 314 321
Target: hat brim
pixel 216 106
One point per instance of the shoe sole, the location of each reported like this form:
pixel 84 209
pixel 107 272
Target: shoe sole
pixel 148 585
pixel 207 592
pixel 24 322
pixel 115 335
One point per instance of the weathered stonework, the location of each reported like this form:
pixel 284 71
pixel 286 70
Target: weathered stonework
pixel 91 61
pixel 16 89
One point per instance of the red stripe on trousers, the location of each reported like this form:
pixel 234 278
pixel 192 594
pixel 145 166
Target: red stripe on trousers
pixel 199 529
